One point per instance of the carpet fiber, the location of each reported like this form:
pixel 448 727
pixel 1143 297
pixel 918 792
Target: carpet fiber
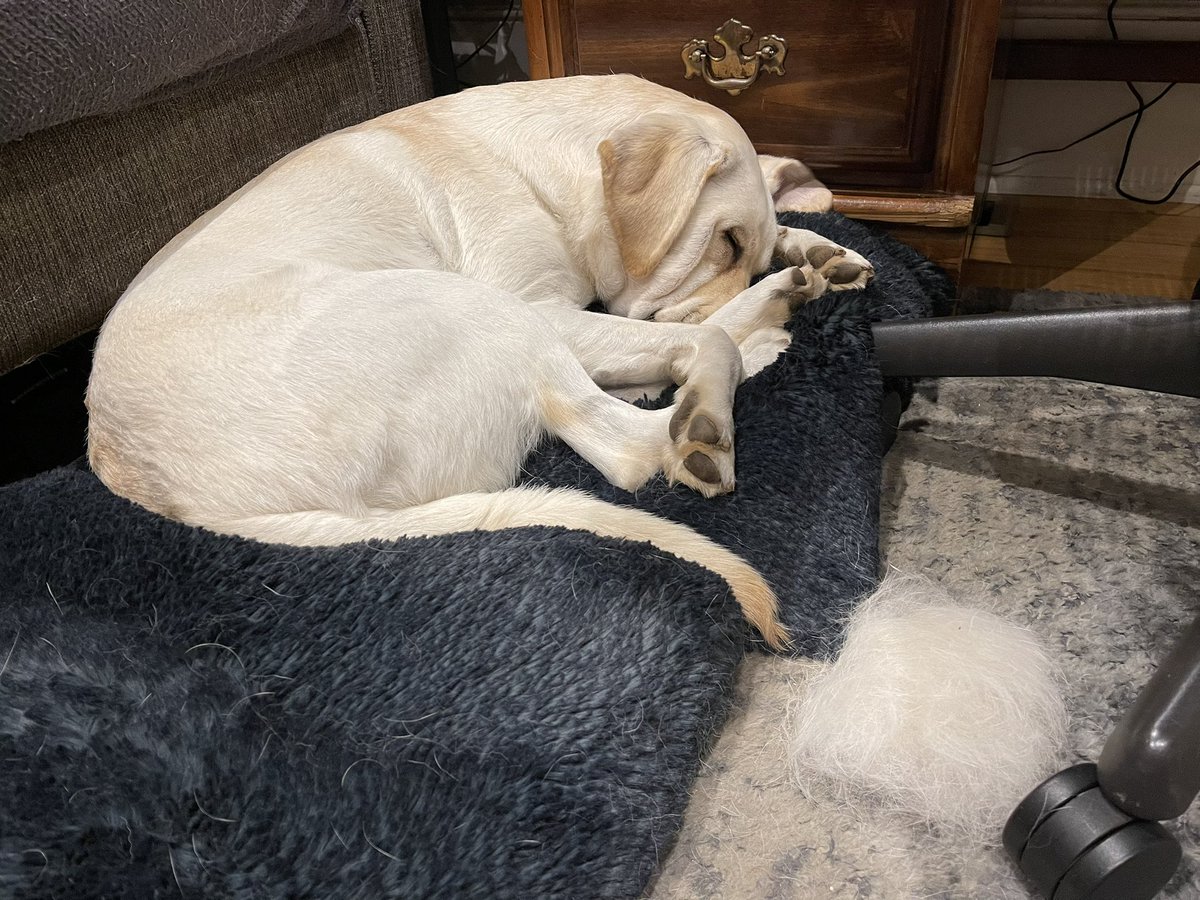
pixel 511 714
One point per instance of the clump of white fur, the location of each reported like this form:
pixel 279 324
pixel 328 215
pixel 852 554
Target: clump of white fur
pixel 933 709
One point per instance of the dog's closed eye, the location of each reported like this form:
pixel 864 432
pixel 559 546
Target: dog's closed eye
pixel 731 239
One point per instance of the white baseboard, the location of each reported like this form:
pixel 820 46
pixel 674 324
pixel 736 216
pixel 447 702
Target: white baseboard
pixel 1157 20
pixel 1089 184
pixel 1040 115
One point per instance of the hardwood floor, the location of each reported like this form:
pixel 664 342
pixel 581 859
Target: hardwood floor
pixel 1095 245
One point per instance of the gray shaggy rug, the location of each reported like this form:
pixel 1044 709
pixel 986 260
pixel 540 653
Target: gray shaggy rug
pixel 514 714
pixel 1070 508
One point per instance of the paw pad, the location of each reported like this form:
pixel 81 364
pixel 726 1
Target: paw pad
pixel 702 467
pixel 821 254
pixel 704 430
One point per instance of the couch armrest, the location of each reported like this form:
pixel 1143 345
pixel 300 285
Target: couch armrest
pixel 395 36
pixel 85 204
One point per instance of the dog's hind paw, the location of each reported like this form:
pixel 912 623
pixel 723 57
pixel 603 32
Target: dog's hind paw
pixel 701 451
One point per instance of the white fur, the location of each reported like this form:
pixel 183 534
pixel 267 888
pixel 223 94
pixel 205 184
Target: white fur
pixel 392 317
pixel 933 709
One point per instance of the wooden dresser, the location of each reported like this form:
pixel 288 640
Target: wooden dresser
pixel 884 99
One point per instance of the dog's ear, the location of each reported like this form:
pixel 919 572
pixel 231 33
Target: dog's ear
pixel 654 170
pixel 793 186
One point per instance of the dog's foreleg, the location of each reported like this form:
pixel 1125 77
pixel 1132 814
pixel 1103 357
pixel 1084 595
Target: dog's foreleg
pixel 697 433
pixel 624 353
pixel 755 317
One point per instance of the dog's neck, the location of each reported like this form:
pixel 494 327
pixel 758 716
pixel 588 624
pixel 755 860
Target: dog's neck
pixel 562 175
pixel 567 184
pixel 593 241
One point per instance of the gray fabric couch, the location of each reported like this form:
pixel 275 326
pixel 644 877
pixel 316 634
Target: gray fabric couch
pixel 114 159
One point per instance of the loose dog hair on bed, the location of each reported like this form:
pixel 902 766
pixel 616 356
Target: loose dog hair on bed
pixel 367 339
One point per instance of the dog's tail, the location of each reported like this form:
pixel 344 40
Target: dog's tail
pixel 525 506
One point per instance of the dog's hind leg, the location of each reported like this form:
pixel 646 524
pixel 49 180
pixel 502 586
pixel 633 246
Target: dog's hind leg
pixel 695 436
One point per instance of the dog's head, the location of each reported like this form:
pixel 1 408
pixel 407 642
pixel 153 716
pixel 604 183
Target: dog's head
pixel 692 208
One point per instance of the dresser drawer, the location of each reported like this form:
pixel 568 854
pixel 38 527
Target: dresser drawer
pixel 884 99
pixel 861 85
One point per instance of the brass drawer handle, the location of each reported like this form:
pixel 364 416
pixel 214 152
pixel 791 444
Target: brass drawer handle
pixel 733 70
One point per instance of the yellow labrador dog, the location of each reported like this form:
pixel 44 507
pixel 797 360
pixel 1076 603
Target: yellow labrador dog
pixel 368 339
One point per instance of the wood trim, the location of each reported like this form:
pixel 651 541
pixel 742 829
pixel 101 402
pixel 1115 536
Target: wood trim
pixel 926 84
pixel 551 46
pixel 1070 60
pixel 949 211
pixel 891 168
pixel 975 30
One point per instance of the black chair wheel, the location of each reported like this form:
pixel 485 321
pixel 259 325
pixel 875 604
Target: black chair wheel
pixel 1074 844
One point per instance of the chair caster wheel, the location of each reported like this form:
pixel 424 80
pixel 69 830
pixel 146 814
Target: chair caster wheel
pixel 1074 844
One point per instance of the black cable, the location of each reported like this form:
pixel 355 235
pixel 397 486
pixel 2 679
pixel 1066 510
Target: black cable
pixel 1136 115
pixel 1125 161
pixel 1142 107
pixel 479 49
pixel 1112 22
pixel 1090 134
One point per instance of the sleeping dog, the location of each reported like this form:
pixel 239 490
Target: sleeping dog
pixel 367 339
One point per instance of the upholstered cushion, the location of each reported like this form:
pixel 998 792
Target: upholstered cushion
pixel 67 59
pixel 85 204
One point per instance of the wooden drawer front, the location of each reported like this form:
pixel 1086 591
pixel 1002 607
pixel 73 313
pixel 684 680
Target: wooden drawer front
pixel 860 97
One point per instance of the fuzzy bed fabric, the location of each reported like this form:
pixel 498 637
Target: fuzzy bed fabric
pixel 510 714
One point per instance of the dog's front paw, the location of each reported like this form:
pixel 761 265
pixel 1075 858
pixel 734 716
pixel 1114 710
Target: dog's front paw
pixel 701 451
pixel 797 285
pixel 848 271
pixel 840 268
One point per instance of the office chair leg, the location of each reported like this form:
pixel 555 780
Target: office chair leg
pixel 1155 348
pixel 1090 831
pixel 1149 764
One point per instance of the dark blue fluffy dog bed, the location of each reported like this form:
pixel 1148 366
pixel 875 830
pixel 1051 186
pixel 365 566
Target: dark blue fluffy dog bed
pixel 512 714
